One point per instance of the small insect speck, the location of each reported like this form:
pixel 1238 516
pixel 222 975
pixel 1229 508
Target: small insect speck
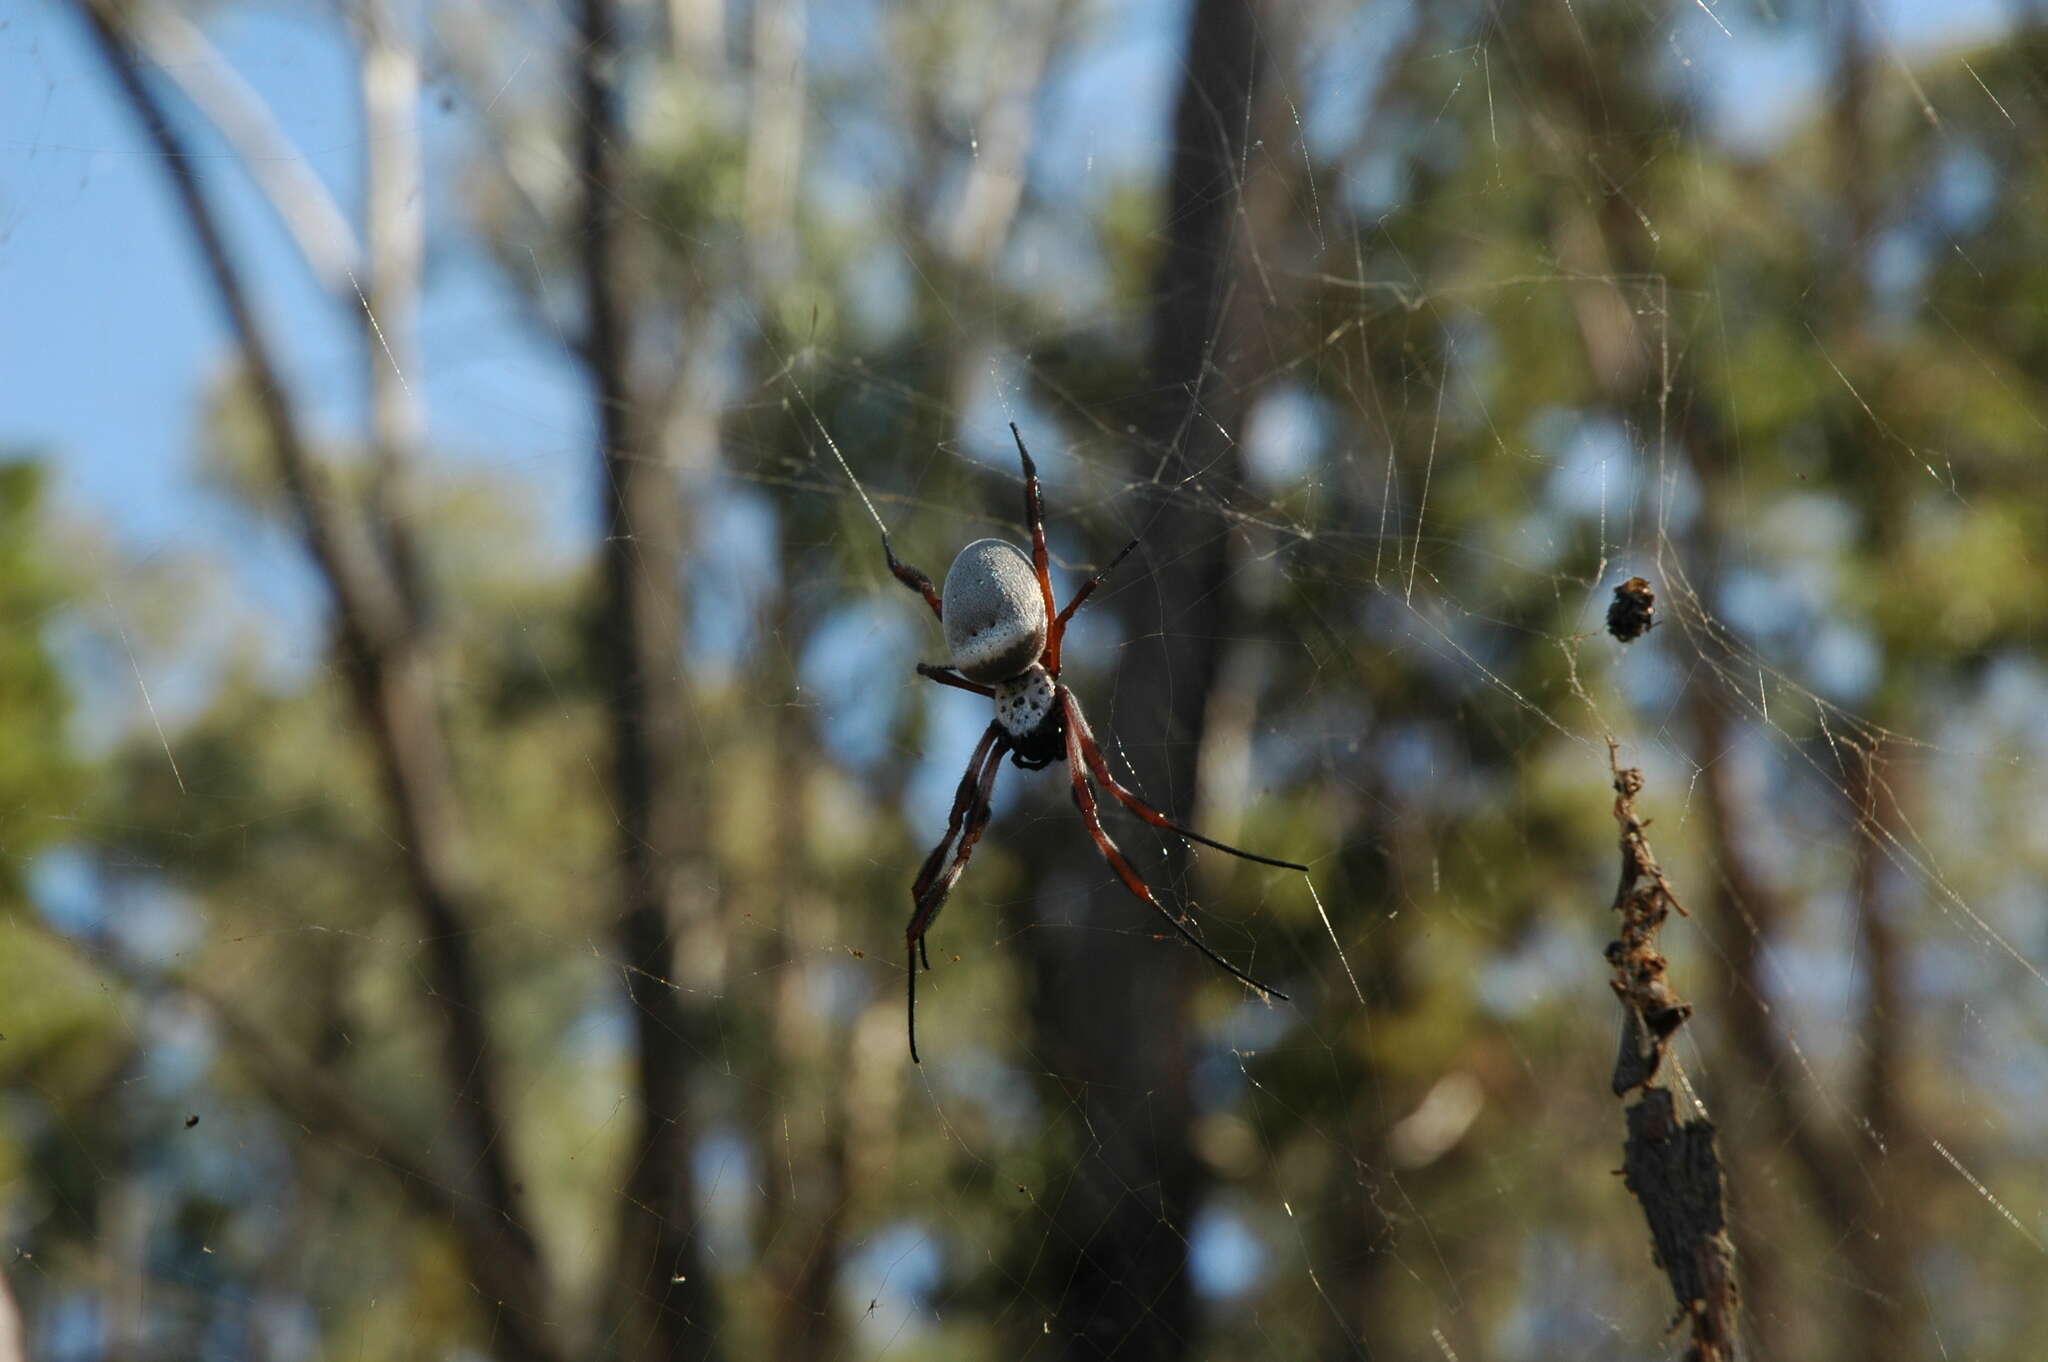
pixel 1634 610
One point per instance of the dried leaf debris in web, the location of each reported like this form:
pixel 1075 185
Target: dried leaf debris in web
pixel 1672 1165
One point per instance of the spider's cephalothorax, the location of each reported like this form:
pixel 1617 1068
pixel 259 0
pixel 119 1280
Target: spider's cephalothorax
pixel 1004 641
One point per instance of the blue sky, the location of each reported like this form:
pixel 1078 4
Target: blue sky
pixel 111 337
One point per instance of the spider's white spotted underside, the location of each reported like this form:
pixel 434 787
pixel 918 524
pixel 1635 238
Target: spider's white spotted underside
pixel 1023 702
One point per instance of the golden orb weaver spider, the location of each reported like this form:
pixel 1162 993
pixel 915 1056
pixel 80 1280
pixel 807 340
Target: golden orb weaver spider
pixel 1004 640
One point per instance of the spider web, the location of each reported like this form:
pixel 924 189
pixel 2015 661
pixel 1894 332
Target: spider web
pixel 1517 333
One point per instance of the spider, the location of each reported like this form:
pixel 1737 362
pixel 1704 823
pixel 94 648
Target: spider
pixel 1004 638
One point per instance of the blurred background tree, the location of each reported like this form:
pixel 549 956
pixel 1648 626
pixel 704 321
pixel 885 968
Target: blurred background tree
pixel 453 898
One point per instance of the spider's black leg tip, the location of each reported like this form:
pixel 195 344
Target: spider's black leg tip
pixel 1030 469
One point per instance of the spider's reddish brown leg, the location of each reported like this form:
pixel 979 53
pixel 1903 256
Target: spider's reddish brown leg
pixel 1034 516
pixel 1058 633
pixel 1084 799
pixel 971 803
pixel 963 800
pixel 1093 753
pixel 913 579
pixel 933 890
pixel 946 676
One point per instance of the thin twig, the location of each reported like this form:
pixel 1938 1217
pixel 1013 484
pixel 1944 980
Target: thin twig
pixel 1672 1165
pixel 395 213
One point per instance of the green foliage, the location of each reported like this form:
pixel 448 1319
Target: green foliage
pixel 39 778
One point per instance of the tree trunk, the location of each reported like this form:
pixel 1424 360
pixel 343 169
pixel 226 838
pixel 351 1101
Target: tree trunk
pixel 1112 997
pixel 657 1272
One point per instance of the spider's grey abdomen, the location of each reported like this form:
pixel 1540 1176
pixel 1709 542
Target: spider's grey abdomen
pixel 995 613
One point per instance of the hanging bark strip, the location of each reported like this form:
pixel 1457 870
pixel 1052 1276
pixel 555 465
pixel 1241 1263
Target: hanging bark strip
pixel 1670 1164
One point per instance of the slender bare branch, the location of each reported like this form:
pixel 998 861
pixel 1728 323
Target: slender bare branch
pixel 390 287
pixel 1881 1251
pixel 13 1341
pixel 775 136
pixel 362 605
pixel 696 31
pixel 993 189
pixel 295 193
pixel 392 690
